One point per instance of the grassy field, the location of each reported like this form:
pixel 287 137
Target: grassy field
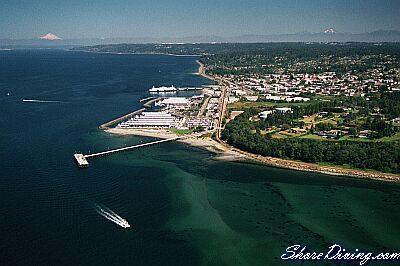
pixel 395 137
pixel 181 131
pixel 312 136
pixel 349 138
pixel 309 121
pixel 279 136
pixel 285 135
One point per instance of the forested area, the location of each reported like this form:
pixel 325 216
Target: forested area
pixel 377 155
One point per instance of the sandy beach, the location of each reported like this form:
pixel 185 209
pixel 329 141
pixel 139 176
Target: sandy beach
pixel 202 71
pixel 223 151
pixel 220 151
pixel 311 167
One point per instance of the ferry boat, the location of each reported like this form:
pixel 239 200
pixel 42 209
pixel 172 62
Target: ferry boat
pixel 163 89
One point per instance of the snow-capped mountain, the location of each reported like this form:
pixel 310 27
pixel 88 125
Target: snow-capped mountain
pixel 50 37
pixel 330 31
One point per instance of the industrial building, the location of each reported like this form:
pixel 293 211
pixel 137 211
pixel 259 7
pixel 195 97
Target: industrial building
pixel 173 101
pixel 150 120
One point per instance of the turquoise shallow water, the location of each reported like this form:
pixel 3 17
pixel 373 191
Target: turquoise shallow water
pixel 186 207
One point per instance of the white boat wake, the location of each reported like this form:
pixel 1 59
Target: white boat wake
pixel 39 101
pixel 112 216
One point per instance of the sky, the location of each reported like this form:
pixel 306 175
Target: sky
pixel 25 19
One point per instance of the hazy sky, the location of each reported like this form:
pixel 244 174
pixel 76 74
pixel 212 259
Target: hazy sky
pixel 173 18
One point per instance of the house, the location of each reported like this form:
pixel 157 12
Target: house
pixel 251 98
pixel 265 114
pixel 283 110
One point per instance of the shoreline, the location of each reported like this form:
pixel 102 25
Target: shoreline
pixel 303 166
pixel 205 143
pixel 316 168
pixel 202 71
pixel 223 151
pixel 226 152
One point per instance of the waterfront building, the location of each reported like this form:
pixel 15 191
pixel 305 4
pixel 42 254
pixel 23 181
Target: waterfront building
pixel 193 122
pixel 150 120
pixel 176 101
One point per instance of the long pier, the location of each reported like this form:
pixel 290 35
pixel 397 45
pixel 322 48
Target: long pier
pixel 82 159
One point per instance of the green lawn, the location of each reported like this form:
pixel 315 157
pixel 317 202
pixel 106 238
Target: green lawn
pixel 181 131
pixel 349 138
pixel 327 120
pixel 311 136
pixel 395 137
pixel 278 135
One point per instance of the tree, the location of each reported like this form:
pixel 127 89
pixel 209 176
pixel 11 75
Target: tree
pixel 353 131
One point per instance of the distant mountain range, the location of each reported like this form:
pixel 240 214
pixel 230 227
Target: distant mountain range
pixel 329 35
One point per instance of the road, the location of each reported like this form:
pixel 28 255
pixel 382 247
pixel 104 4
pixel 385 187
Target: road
pixel 204 106
pixel 223 102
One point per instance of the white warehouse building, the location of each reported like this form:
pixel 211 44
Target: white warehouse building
pixel 150 120
pixel 181 101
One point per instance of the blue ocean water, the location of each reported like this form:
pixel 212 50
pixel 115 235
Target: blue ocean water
pixel 47 213
pixel 185 207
